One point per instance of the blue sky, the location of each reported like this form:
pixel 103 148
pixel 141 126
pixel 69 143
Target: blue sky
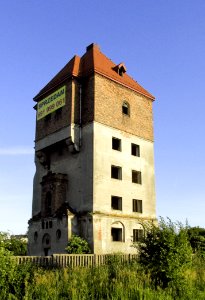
pixel 162 44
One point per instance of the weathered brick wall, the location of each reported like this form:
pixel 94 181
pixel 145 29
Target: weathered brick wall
pixel 109 97
pixel 88 100
pixel 56 121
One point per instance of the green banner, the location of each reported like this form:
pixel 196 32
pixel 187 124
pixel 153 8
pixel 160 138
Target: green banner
pixel 51 103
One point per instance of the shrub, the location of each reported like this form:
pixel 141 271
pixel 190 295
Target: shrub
pixel 12 244
pixel 77 245
pixel 196 237
pixel 166 252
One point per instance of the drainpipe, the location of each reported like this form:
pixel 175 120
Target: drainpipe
pixel 80 118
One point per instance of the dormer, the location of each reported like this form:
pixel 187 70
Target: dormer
pixel 120 69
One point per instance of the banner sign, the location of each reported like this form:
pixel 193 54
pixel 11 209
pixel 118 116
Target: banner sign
pixel 51 103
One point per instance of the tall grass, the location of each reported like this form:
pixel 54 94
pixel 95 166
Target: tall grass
pixel 115 280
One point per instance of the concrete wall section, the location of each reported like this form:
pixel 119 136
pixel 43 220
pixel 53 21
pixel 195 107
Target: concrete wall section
pixel 105 186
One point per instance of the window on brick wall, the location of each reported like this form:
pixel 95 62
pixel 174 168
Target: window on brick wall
pixel 136 177
pixel 47 118
pixel 116 202
pixel 138 235
pixel 126 108
pixel 116 172
pixel 137 205
pixel 116 144
pixel 135 150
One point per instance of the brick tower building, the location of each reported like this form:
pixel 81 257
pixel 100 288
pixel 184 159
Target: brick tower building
pixel 94 158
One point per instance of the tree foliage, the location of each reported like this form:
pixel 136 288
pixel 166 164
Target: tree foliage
pixel 77 245
pixel 196 237
pixel 165 251
pixel 13 244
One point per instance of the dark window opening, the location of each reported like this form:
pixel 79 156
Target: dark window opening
pixel 58 234
pixel 35 236
pixel 116 144
pixel 138 235
pixel 46 251
pixel 137 205
pixel 136 177
pixel 46 225
pixel 42 224
pixel 135 150
pixel 50 224
pixel 116 202
pixel 116 172
pixel 47 118
pixel 48 203
pixel 116 234
pixel 58 113
pixel 125 108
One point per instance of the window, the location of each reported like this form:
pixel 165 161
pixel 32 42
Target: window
pixel 48 202
pixel 47 118
pixel 137 235
pixel 126 108
pixel 116 202
pixel 116 144
pixel 116 172
pixel 35 236
pixel 135 150
pixel 116 234
pixel 137 205
pixel 50 224
pixel 58 113
pixel 136 177
pixel 58 234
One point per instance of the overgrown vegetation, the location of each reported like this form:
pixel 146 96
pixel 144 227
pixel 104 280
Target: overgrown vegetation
pixel 167 269
pixel 77 245
pixel 166 253
pixel 13 244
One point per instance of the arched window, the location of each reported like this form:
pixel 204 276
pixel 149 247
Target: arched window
pixel 117 232
pixel 126 108
pixel 48 203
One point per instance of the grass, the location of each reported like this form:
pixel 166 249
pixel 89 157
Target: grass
pixel 113 281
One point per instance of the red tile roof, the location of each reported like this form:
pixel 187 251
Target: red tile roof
pixel 94 61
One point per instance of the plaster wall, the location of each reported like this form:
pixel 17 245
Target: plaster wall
pixel 105 186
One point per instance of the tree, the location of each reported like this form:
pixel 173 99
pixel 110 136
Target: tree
pixel 196 237
pixel 77 245
pixel 13 244
pixel 165 252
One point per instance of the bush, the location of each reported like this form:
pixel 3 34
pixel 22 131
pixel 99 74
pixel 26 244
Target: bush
pixel 166 252
pixel 196 237
pixel 77 245
pixel 12 244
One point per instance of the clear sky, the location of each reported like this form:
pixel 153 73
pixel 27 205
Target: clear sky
pixel 161 42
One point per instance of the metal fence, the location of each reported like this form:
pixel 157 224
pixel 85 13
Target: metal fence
pixel 75 260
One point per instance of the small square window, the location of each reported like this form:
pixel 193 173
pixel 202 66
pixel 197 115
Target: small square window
pixel 137 205
pixel 116 202
pixel 136 177
pixel 135 150
pixel 116 144
pixel 138 235
pixel 116 172
pixel 116 234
